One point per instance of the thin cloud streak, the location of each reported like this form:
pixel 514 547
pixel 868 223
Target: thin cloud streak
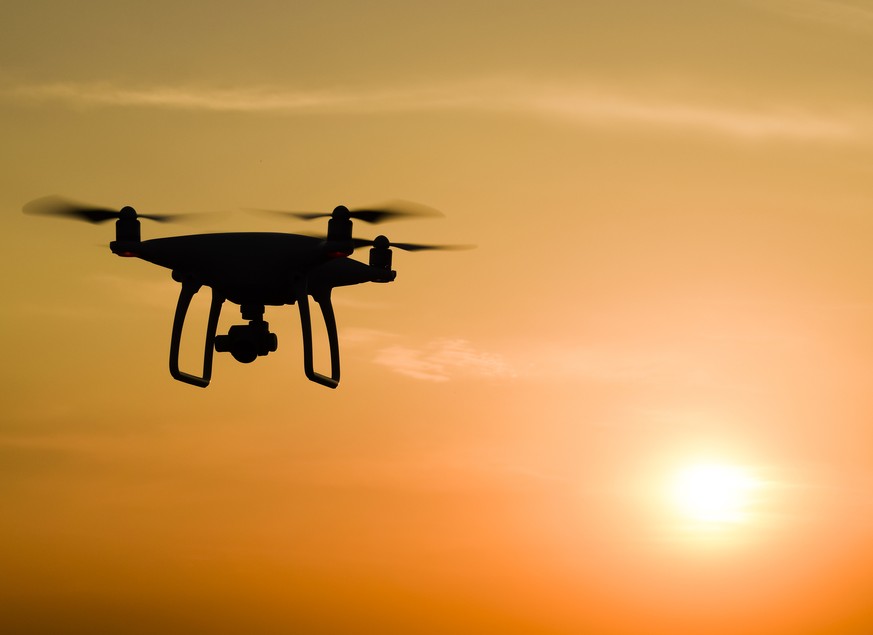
pixel 443 360
pixel 583 107
pixel 842 14
pixel 563 104
pixel 240 100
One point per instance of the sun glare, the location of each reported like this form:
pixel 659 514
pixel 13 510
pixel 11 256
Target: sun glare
pixel 714 493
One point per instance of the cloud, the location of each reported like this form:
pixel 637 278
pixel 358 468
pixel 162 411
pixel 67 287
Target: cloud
pixel 244 99
pixel 752 123
pixel 842 14
pixel 443 360
pixel 155 292
pixel 126 294
pixel 566 103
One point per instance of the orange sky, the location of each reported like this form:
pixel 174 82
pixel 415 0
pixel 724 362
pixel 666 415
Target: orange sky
pixel 671 203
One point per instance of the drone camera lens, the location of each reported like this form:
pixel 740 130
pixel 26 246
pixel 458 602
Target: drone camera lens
pixel 244 351
pixel 247 342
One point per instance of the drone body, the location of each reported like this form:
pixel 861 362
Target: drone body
pixel 252 270
pixel 253 267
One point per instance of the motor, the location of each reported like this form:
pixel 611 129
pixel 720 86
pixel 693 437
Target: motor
pixel 380 254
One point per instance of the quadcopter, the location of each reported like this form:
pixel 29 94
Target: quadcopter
pixel 255 270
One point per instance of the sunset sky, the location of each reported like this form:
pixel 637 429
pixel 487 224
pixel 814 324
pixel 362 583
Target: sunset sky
pixel 642 406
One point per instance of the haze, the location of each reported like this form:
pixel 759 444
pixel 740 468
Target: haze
pixel 672 207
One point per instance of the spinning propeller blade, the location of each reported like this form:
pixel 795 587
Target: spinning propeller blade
pixel 366 242
pixel 58 206
pixel 395 210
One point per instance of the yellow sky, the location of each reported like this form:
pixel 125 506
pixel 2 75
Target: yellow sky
pixel 672 207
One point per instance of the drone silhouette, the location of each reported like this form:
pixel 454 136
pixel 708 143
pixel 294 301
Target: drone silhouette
pixel 255 270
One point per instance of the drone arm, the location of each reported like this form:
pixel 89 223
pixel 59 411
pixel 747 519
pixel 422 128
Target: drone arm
pixel 323 300
pixel 189 288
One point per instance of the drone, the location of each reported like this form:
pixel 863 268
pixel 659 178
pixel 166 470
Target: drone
pixel 255 270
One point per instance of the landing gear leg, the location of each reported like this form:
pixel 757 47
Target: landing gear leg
pixel 189 288
pixel 333 339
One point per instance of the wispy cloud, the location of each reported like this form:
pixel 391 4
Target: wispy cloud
pixel 571 104
pixel 246 99
pixel 843 14
pixel 125 293
pixel 443 360
pixel 753 123
pixel 153 293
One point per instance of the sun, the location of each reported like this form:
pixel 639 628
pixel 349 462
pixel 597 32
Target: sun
pixel 714 493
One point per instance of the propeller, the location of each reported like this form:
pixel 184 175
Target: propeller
pixel 59 206
pixel 394 210
pixel 383 243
